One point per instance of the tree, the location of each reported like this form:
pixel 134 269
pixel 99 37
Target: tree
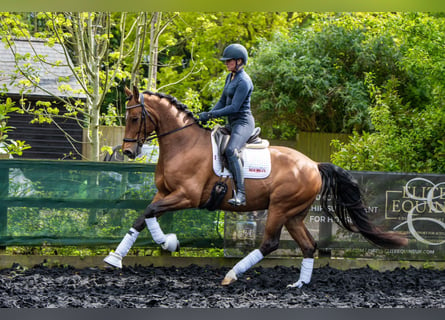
pixel 7 145
pixel 86 41
pixel 181 57
pixel 407 114
pixel 193 42
pixel 407 141
pixel 312 79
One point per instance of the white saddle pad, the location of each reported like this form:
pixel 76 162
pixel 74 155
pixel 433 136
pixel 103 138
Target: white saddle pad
pixel 256 162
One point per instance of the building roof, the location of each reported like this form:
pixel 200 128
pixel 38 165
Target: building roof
pixel 53 71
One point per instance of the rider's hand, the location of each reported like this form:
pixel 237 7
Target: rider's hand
pixel 204 116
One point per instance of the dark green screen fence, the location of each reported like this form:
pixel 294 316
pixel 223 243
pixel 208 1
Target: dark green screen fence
pixel 89 204
pixel 78 203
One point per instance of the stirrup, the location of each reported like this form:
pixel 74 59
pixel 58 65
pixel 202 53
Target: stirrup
pixel 238 200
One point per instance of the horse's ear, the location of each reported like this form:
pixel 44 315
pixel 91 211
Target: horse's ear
pixel 135 91
pixel 127 92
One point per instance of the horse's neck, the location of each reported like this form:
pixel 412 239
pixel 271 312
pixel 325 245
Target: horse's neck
pixel 179 139
pixel 170 118
pixel 191 139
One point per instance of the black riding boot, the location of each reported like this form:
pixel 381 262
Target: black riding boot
pixel 236 168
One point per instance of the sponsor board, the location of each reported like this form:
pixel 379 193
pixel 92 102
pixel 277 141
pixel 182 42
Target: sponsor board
pixel 413 204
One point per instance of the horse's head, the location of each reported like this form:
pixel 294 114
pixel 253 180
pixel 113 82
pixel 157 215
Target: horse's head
pixel 139 123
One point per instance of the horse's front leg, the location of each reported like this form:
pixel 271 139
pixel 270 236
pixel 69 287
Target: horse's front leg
pixel 173 201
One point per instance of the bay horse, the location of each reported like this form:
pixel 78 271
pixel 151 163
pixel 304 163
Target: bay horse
pixel 184 179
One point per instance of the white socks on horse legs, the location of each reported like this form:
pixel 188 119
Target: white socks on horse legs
pixel 131 236
pixel 155 230
pixel 307 265
pixel 127 242
pixel 248 261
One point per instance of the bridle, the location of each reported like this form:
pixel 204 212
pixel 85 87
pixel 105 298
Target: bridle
pixel 143 126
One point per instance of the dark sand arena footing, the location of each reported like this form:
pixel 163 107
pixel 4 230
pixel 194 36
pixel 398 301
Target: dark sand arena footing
pixel 198 286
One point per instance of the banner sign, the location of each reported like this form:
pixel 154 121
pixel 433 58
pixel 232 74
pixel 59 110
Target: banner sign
pixel 413 204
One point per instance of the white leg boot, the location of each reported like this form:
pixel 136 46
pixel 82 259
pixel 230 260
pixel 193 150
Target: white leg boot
pixel 307 265
pixel 115 258
pixel 167 241
pixel 242 266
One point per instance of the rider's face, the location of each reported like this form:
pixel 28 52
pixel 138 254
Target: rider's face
pixel 231 64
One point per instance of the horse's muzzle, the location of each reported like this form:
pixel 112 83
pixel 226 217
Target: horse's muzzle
pixel 131 150
pixel 129 153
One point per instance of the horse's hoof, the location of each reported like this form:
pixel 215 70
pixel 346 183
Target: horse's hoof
pixel 114 259
pixel 227 281
pixel 229 278
pixel 298 284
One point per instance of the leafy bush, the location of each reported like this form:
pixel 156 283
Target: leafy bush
pixel 405 139
pixel 314 78
pixel 8 145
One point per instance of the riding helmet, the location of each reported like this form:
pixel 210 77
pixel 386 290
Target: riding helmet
pixel 235 51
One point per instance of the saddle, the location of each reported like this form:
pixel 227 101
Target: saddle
pixel 222 137
pixel 220 140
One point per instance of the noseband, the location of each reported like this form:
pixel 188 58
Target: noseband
pixel 144 114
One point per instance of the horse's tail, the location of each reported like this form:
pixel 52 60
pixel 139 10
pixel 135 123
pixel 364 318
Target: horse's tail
pixel 348 209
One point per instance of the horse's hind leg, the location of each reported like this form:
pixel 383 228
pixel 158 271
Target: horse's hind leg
pixel 295 226
pixel 270 243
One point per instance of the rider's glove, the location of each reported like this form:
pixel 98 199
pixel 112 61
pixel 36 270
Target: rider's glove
pixel 204 116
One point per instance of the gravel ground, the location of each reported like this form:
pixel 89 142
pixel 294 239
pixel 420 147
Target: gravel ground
pixel 199 287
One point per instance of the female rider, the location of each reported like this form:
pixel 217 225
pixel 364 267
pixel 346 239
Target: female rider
pixel 235 104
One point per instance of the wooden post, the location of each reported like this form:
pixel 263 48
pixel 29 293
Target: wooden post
pixel 325 236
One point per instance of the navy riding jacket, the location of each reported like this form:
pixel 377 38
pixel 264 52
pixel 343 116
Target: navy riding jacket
pixel 235 99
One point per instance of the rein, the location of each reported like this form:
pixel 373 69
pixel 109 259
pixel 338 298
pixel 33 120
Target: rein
pixel 144 114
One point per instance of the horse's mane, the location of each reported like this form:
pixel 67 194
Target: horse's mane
pixel 179 105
